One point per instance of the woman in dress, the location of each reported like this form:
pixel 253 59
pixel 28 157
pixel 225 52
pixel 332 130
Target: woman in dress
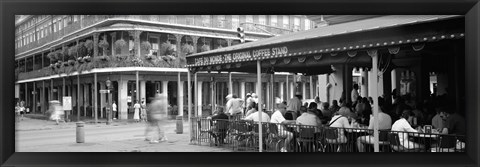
pixel 136 115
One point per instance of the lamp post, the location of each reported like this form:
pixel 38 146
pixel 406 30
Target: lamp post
pixel 109 107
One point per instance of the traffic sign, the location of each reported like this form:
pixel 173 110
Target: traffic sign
pixel 105 91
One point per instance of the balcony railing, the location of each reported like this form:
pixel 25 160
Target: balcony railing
pixel 241 135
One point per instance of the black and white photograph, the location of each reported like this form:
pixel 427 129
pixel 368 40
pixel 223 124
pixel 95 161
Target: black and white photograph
pixel 240 83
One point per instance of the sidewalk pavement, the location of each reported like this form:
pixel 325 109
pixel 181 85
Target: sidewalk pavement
pixel 175 143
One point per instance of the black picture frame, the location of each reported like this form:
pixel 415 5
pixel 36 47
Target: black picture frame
pixel 469 8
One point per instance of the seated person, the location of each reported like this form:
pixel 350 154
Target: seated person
pixel 455 124
pixel 438 121
pixel 251 109
pixel 309 116
pixel 254 116
pixel 277 118
pixel 384 123
pixel 340 120
pixel 326 113
pixel 402 125
pixel 220 120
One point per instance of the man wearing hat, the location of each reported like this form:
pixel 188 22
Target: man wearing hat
pixel 293 106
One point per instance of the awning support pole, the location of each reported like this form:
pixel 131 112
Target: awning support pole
pixel 230 86
pixel 189 97
pixel 195 83
pixel 259 92
pixel 374 56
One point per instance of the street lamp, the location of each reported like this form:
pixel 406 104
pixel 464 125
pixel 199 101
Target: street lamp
pixel 109 108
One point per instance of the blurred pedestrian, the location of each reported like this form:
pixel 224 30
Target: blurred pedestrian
pixel 17 111
pixel 234 106
pixel 143 114
pixel 136 114
pixel 114 109
pixel 155 114
pixel 56 112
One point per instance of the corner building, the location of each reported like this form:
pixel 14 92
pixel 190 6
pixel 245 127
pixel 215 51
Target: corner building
pixel 74 55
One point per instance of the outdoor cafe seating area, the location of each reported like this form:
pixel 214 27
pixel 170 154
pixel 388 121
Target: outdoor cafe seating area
pixel 243 136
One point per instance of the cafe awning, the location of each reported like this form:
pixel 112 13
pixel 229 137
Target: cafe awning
pixel 314 51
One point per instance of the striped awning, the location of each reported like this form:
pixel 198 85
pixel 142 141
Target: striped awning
pixel 324 44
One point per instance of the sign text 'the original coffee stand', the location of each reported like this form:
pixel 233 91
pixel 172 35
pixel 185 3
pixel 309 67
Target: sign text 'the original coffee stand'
pixel 241 56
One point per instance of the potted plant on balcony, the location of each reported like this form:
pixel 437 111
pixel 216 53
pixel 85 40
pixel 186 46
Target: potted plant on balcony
pixel 104 45
pixel 119 44
pixel 205 48
pixel 187 49
pixel 52 57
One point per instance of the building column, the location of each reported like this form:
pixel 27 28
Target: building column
pixel 268 94
pixel 200 95
pixel 338 87
pixel 364 86
pixel 137 85
pixel 136 40
pixel 281 87
pixel 348 83
pixel 42 97
pixel 34 106
pixel 179 46
pixel 292 90
pixel 323 88
pixel 95 94
pixel 230 84
pixel 85 100
pixel 103 100
pixel 287 86
pixel 180 95
pixel 95 44
pixel 143 91
pixel 113 36
pixel 122 102
pixel 304 90
pixel 195 41
pixel 394 79
pixel 165 91
pixel 242 90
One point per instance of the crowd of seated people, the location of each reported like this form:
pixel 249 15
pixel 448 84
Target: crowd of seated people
pixel 403 115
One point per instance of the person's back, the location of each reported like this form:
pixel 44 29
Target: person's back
pixel 456 124
pixel 294 104
pixel 254 116
pixel 308 118
pixel 384 121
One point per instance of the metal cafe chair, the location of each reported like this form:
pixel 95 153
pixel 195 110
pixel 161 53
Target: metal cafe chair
pixel 395 145
pixel 332 143
pixel 383 141
pixel 219 131
pixel 306 139
pixel 256 134
pixel 204 131
pixel 242 134
pixel 274 139
pixel 447 143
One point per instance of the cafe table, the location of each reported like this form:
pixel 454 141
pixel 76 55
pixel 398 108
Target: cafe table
pixel 426 138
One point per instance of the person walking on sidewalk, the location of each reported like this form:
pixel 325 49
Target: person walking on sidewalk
pixel 114 109
pixel 136 115
pixel 56 111
pixel 155 113
pixel 143 114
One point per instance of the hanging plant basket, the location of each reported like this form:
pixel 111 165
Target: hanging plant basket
pixel 103 44
pixel 146 45
pixel 52 57
pixel 187 49
pixel 80 59
pixel 149 57
pixel 166 48
pixel 82 50
pixel 89 45
pixel 103 58
pixel 205 48
pixel 119 44
pixel 87 59
pixel 71 62
pixel 72 51
pixel 59 55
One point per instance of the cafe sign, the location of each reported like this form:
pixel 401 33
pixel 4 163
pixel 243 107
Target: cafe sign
pixel 242 56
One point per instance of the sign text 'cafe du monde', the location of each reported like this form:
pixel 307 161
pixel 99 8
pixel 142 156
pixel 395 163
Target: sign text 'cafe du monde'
pixel 241 56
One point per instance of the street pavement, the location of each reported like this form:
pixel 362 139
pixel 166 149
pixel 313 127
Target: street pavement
pixel 34 135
